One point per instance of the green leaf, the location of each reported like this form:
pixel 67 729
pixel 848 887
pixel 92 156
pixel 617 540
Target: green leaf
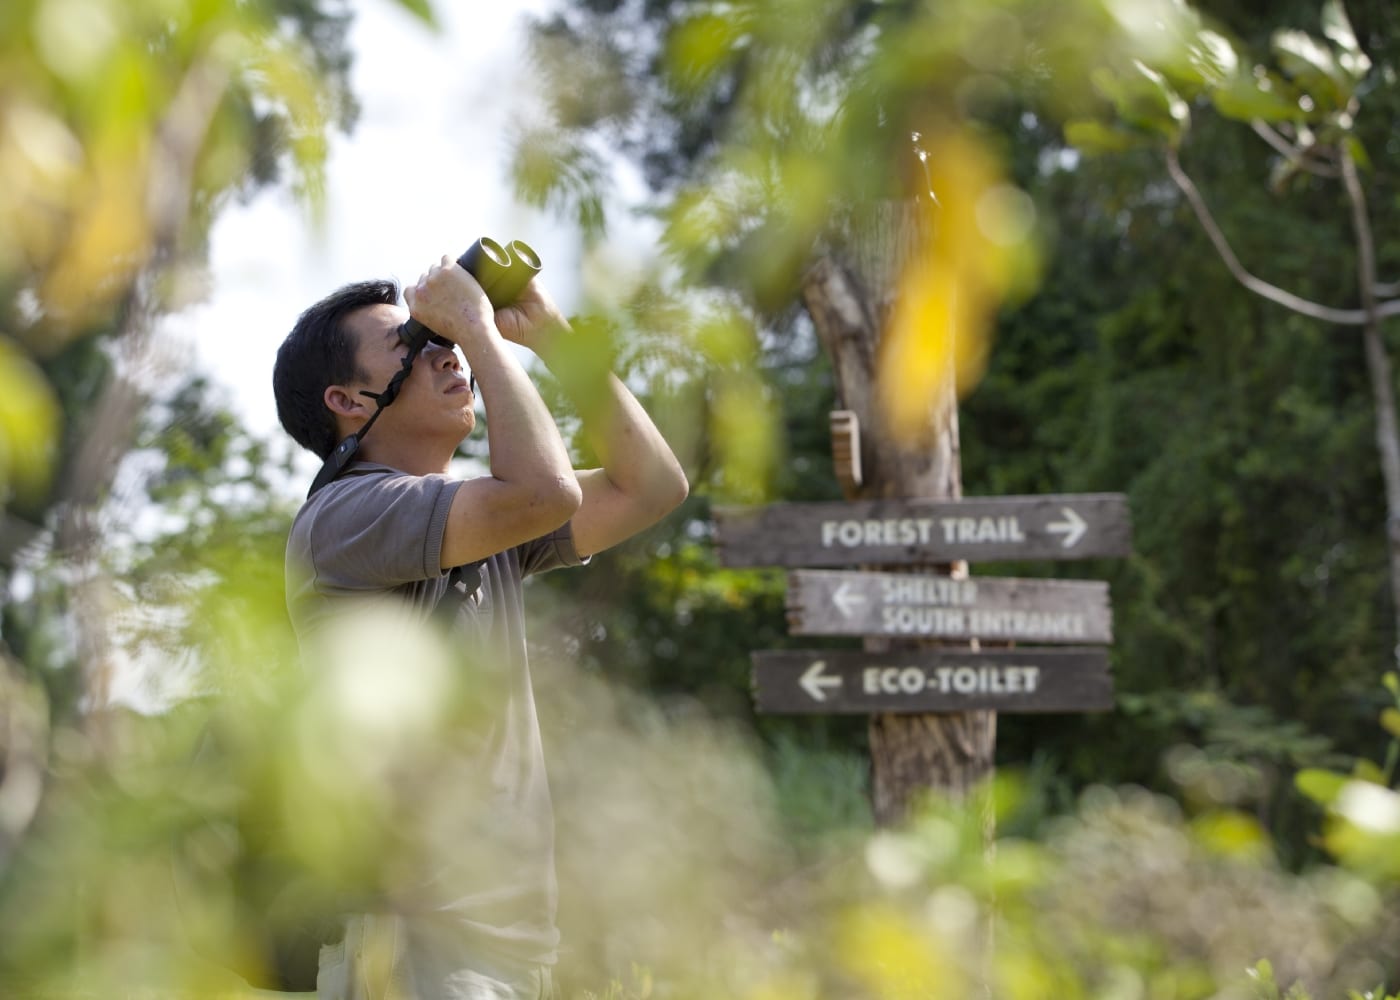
pixel 1231 833
pixel 1096 139
pixel 1212 58
pixel 1367 771
pixel 1245 97
pixel 1321 786
pixel 1144 100
pixel 1390 721
pixel 421 9
pixel 1168 101
pixel 1357 152
pixel 1315 69
pixel 1337 27
pixel 700 48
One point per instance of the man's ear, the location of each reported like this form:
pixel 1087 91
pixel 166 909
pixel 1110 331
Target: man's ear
pixel 346 403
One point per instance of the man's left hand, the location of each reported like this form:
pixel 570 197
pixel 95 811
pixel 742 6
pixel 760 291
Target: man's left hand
pixel 532 320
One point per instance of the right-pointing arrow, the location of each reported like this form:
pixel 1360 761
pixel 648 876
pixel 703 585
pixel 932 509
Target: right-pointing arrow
pixel 1072 527
pixel 813 681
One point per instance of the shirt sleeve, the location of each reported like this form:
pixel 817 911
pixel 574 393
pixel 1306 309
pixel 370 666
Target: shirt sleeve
pixel 551 551
pixel 381 530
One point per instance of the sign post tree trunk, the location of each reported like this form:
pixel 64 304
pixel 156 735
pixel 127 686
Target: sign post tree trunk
pixel 849 294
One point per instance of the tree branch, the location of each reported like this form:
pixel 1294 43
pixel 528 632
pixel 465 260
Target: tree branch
pixel 1365 242
pixel 1328 314
pixel 1292 152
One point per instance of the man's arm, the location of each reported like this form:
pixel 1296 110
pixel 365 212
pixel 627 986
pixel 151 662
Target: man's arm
pixel 641 480
pixel 531 489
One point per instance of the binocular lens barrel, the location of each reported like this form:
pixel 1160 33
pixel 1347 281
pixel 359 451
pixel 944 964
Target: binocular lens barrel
pixel 524 265
pixel 502 271
pixel 487 261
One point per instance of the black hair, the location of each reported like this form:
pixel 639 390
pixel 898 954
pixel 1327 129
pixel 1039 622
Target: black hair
pixel 320 352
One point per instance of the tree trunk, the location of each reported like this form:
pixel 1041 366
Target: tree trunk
pixel 849 293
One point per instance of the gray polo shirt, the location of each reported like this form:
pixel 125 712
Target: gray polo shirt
pixel 378 531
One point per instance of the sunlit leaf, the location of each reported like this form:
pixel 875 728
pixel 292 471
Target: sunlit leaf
pixel 886 952
pixel 1370 806
pixel 976 248
pixel 743 427
pixel 1144 100
pixel 1314 68
pixel 1213 57
pixel 1368 770
pixel 1232 833
pixel 1246 97
pixel 700 47
pixel 1321 786
pixel 1337 27
pixel 421 9
pixel 1097 139
pixel 29 425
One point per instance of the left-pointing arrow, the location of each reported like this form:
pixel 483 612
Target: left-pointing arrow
pixel 813 680
pixel 846 599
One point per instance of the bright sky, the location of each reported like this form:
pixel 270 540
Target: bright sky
pixel 423 174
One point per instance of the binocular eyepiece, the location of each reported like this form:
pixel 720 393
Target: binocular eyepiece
pixel 503 271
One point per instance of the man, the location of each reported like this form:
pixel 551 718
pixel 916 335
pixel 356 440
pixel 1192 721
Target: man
pixel 480 923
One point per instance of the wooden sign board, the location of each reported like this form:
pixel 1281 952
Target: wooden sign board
pixel 832 602
pixel 890 532
pixel 831 682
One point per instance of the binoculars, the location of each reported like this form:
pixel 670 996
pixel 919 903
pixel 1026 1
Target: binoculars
pixel 503 271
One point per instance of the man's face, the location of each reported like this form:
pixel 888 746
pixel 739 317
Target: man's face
pixel 433 401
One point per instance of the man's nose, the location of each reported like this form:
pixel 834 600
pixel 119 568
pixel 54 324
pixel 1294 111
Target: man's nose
pixel 443 357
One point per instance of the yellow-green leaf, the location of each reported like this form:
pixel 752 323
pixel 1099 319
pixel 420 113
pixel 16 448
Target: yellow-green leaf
pixel 1245 97
pixel 1096 139
pixel 1320 785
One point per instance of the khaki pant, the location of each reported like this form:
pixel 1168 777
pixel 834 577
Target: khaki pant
pixel 372 963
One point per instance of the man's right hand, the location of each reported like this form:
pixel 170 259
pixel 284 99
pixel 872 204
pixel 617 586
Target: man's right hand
pixel 451 303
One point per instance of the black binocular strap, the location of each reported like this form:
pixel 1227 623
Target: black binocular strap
pixel 337 460
pixel 462 583
pixel 464 580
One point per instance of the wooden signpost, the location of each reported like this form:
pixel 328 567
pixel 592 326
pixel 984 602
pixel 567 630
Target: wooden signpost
pixel 1007 680
pixel 932 708
pixel 826 602
pixel 913 532
pixel 934 606
pixel 928 605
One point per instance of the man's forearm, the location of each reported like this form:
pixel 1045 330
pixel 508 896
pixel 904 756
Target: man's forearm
pixel 523 437
pixel 633 453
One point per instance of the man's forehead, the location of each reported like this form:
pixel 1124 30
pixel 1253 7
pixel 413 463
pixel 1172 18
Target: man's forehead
pixel 375 320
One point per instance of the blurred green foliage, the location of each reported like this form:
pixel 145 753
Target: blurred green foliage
pixel 1252 621
pixel 1164 850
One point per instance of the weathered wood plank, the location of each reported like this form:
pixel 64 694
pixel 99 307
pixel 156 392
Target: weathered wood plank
pixel 904 532
pixel 831 682
pixel 835 602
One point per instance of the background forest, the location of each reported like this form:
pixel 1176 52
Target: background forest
pixel 1231 828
